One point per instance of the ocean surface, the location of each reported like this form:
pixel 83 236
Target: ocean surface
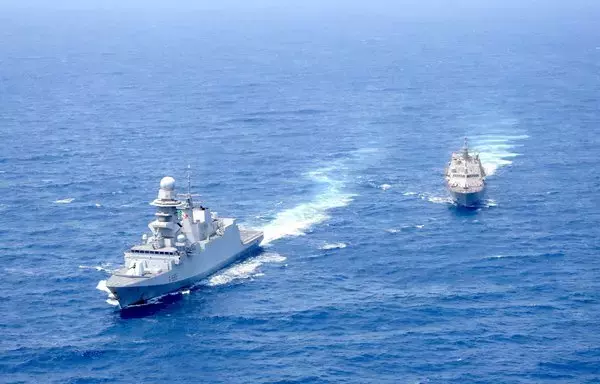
pixel 328 126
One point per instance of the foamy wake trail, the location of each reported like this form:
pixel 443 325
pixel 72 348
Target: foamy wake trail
pixel 496 151
pixel 329 246
pixel 100 268
pixel 294 221
pixel 65 201
pixel 245 270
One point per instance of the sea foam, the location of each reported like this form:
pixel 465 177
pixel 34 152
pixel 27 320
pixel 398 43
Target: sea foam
pixel 245 270
pixel 101 286
pixel 496 151
pixel 294 221
pixel 65 201
pixel 329 246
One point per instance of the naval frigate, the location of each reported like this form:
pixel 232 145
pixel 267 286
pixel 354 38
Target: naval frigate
pixel 188 243
pixel 465 177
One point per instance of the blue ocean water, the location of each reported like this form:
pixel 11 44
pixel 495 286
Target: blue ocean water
pixel 328 126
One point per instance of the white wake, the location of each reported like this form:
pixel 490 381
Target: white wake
pixel 294 221
pixel 496 151
pixel 247 269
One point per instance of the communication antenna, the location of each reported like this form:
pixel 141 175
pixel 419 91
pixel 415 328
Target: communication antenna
pixel 189 177
pixel 188 195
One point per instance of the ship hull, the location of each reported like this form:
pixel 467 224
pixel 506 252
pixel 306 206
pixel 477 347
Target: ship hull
pixel 467 199
pixel 130 291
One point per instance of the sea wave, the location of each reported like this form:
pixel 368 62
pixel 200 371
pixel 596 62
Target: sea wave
pixel 436 199
pixel 405 228
pixel 247 269
pixel 68 200
pixel 101 286
pixel 105 267
pixel 328 246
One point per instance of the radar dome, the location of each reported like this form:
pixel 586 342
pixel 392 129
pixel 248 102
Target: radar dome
pixel 181 238
pixel 167 183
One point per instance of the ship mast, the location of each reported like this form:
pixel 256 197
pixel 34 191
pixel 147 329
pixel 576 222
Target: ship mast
pixel 189 175
pixel 188 196
pixel 466 148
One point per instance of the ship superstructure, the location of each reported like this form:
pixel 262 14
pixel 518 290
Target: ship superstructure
pixel 187 243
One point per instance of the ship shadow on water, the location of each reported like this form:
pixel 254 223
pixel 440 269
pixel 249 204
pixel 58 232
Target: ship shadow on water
pixel 463 211
pixel 151 308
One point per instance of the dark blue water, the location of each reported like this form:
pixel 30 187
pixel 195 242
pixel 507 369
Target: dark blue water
pixel 328 126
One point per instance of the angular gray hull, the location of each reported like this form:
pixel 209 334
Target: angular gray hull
pixel 139 294
pixel 468 199
pixel 131 291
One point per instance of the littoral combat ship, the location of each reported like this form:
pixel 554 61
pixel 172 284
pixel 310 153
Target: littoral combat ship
pixel 187 244
pixel 465 178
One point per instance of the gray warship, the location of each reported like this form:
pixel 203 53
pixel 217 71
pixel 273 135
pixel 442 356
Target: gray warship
pixel 465 178
pixel 188 243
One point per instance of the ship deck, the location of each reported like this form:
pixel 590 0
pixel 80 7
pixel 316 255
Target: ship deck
pixel 249 235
